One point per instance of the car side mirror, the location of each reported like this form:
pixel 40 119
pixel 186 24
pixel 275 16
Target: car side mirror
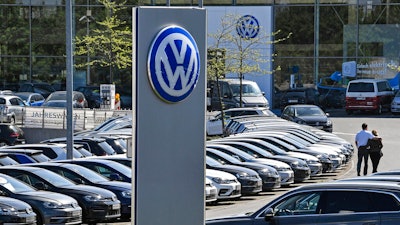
pixel 327 114
pixel 269 214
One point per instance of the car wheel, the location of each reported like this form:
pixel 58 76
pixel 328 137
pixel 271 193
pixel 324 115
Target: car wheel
pixel 379 110
pixel 39 220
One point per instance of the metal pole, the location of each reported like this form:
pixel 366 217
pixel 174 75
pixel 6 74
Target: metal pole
pixel 68 23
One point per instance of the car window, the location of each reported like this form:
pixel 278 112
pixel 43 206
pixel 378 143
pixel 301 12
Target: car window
pixel 384 202
pixel 347 202
pixel 300 204
pixel 361 87
pixel 2 101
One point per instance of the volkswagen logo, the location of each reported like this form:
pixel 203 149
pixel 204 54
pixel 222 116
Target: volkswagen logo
pixel 173 64
pixel 247 27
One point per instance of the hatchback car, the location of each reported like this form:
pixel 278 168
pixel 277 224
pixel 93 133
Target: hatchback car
pixel 78 99
pixel 10 134
pixel 98 204
pixel 23 156
pixel 31 98
pixel 16 212
pixel 54 151
pixel 311 115
pixel 328 203
pixel 83 175
pixel 50 207
pixel 227 185
pixel 210 191
pixel 92 95
pixel 12 109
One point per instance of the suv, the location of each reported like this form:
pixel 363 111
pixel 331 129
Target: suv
pixel 11 135
pixel 369 95
pixel 12 109
pixel 297 96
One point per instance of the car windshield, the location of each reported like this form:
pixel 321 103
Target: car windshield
pixel 40 157
pixel 361 87
pixel 248 90
pixel 88 174
pixel 14 185
pixel 53 178
pixel 212 162
pixel 309 111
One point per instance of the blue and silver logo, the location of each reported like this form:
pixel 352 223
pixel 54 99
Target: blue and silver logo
pixel 173 64
pixel 247 27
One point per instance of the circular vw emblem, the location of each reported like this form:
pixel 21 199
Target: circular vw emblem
pixel 247 27
pixel 173 64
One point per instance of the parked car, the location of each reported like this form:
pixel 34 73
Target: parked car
pixel 55 151
pixel 270 177
pixel 285 171
pixel 97 146
pixel 11 134
pixel 395 105
pixel 232 91
pixel 12 109
pixel 92 95
pixel 23 156
pixel 214 124
pixel 301 95
pixel 228 187
pixel 78 99
pixel 369 95
pixel 98 204
pixel 311 115
pixel 250 181
pixel 44 89
pixel 82 175
pixel 31 98
pixel 300 168
pixel 111 170
pixel 210 191
pixel 13 211
pixel 50 207
pixel 6 160
pixel 328 203
pixel 119 159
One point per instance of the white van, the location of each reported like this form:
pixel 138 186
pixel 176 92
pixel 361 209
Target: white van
pixel 229 89
pixel 368 95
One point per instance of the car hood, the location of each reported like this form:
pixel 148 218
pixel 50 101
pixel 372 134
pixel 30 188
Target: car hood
pixel 42 195
pixel 90 190
pixel 235 169
pixel 116 185
pixel 14 203
pixel 303 156
pixel 252 99
pixel 271 162
pixel 313 118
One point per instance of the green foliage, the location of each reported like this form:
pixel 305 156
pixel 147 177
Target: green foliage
pixel 110 45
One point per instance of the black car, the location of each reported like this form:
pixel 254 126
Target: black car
pixel 250 181
pixel 311 115
pixel 13 211
pixel 92 95
pixel 83 175
pixel 348 203
pixel 10 134
pixel 98 204
pixel 50 207
pixel 294 96
pixel 110 169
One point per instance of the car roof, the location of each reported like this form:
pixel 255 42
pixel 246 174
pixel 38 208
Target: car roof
pixel 372 185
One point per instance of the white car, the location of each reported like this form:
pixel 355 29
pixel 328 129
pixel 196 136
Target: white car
pixel 395 105
pixel 53 151
pixel 227 184
pixel 214 124
pixel 12 109
pixel 211 191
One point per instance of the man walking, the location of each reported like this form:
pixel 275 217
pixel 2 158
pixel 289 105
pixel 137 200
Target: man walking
pixel 361 140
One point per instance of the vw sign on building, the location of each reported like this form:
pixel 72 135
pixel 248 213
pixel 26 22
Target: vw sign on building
pixel 173 64
pixel 168 121
pixel 247 27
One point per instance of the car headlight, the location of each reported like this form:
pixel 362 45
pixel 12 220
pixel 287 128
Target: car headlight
pixel 92 198
pixel 242 175
pixel 328 122
pixel 52 205
pixel 294 164
pixel 267 172
pixel 126 194
pixel 7 210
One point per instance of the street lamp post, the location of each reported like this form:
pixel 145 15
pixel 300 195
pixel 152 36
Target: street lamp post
pixel 88 18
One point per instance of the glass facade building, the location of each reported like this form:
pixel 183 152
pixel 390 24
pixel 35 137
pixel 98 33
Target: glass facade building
pixel 325 34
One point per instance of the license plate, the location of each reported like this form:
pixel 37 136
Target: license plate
pixel 116 206
pixel 360 98
pixel 292 101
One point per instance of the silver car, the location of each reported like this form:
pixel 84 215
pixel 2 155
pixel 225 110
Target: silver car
pixel 12 109
pixel 50 207
pixel 16 212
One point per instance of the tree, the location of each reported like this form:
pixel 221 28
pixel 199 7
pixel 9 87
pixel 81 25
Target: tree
pixel 243 54
pixel 111 44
